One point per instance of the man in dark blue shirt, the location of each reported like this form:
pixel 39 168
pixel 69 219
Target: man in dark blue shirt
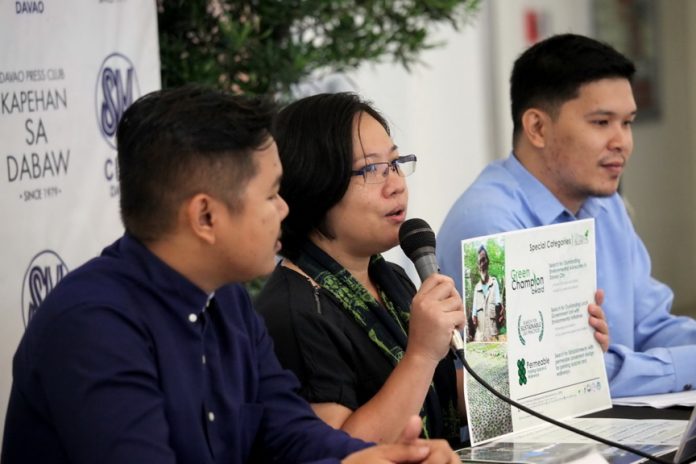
pixel 149 353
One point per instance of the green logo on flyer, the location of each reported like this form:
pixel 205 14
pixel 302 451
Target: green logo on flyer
pixel 522 371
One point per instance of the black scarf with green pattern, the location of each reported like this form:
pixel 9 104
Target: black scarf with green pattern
pixel 386 326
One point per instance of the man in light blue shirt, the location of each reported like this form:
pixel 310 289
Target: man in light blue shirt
pixel 572 108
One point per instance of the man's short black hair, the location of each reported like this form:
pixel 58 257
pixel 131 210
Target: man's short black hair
pixel 315 144
pixel 552 71
pixel 175 143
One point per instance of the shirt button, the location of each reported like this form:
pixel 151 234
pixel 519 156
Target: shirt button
pixel 193 317
pixel 687 387
pixel 203 359
pixel 211 416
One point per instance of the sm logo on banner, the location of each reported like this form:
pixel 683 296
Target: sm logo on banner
pixel 117 88
pixel 45 270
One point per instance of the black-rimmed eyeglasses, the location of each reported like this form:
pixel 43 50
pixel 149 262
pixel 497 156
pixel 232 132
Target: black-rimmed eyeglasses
pixel 376 173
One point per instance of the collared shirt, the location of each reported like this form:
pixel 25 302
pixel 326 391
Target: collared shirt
pixel 128 361
pixel 651 350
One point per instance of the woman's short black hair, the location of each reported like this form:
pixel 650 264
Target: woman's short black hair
pixel 315 144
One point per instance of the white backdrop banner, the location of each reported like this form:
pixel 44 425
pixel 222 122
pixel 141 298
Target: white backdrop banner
pixel 68 70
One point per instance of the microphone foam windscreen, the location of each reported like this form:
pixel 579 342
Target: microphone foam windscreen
pixel 415 234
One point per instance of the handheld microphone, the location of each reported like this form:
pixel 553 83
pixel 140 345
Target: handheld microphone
pixel 417 240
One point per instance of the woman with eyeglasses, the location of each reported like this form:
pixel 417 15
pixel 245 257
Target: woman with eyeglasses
pixel 369 350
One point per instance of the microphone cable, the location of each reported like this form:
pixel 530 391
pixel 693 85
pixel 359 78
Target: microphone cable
pixel 460 354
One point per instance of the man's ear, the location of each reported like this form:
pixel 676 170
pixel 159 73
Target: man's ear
pixel 535 125
pixel 201 212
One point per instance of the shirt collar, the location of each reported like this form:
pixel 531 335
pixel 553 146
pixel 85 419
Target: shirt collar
pixel 159 274
pixel 547 207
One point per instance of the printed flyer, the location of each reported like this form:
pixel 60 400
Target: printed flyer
pixel 526 295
